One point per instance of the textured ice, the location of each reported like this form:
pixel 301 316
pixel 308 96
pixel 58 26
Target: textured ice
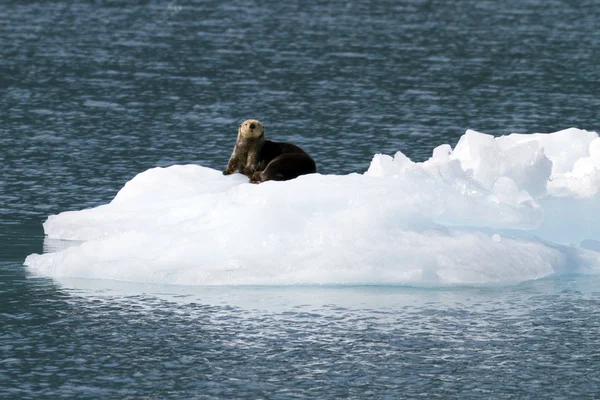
pixel 491 210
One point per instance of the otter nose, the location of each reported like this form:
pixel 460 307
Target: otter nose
pixel 252 126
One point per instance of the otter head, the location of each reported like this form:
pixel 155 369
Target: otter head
pixel 251 129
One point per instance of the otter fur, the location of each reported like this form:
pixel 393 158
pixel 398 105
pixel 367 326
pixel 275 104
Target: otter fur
pixel 263 160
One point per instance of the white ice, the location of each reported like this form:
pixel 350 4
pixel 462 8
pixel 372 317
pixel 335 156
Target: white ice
pixel 491 210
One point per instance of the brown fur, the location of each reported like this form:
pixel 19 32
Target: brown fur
pixel 263 160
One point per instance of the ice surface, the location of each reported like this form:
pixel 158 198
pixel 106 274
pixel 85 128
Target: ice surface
pixel 493 210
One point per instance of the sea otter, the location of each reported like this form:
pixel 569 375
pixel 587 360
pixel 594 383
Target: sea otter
pixel 263 160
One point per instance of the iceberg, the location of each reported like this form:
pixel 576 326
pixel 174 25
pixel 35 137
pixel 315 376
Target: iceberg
pixel 493 210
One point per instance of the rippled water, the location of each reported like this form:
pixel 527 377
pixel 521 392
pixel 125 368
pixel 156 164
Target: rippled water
pixel 106 339
pixel 92 94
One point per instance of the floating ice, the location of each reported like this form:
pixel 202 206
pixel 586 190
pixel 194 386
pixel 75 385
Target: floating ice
pixel 493 210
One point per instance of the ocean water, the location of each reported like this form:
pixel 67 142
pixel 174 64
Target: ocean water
pixel 93 94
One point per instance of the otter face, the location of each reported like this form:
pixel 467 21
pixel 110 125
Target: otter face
pixel 251 129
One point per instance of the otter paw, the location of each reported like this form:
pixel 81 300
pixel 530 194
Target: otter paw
pixel 227 172
pixel 256 177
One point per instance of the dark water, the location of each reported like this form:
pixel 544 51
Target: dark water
pixel 536 340
pixel 92 94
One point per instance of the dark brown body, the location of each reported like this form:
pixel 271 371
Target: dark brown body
pixel 262 160
pixel 278 161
